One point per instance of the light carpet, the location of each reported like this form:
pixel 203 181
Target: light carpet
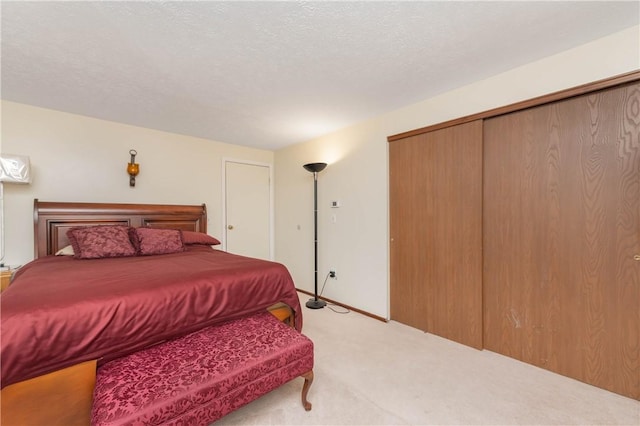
pixel 368 372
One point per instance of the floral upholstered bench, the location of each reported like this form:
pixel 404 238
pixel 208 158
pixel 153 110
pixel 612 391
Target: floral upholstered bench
pixel 198 378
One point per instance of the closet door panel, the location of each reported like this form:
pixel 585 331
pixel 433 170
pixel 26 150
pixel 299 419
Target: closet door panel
pixel 409 224
pixel 561 227
pixel 436 232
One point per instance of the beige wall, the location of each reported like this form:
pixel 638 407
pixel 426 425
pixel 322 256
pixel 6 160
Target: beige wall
pixel 356 245
pixel 76 158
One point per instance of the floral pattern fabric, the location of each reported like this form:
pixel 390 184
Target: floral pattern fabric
pixel 197 379
pixel 96 242
pixel 150 241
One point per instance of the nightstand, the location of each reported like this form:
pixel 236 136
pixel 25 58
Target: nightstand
pixel 5 278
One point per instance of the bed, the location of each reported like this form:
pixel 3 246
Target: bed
pixel 61 312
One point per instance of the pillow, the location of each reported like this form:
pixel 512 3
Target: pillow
pixel 65 251
pixel 190 237
pixel 150 241
pixel 95 242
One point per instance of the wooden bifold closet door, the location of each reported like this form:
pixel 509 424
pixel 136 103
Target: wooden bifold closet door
pixel 435 181
pixel 561 228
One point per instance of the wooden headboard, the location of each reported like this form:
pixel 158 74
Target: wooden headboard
pixel 52 220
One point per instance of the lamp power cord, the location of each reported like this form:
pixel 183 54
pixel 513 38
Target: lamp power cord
pixel 333 306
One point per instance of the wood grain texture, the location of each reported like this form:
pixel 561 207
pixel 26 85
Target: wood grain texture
pixel 61 398
pixel 583 89
pixel 436 232
pixel 561 227
pixel 52 220
pixel 5 279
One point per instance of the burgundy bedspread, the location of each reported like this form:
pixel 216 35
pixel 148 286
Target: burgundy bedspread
pixel 60 311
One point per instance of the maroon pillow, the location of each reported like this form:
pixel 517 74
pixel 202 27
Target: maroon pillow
pixel 150 241
pixel 190 237
pixel 95 242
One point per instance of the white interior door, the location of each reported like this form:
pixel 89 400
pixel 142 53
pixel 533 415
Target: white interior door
pixel 248 209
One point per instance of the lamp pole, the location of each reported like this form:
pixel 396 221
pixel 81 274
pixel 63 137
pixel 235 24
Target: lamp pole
pixel 315 168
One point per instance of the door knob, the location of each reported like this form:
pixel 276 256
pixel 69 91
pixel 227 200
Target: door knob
pixel 229 227
pixel 636 257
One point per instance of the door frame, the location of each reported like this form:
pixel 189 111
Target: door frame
pixel 226 160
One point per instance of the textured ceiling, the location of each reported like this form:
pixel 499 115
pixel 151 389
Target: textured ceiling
pixel 270 74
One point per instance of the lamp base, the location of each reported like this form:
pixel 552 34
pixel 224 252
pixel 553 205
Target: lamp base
pixel 316 304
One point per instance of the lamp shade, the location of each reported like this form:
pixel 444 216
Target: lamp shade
pixel 15 168
pixel 315 167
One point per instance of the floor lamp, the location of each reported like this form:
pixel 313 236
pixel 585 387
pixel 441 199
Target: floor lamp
pixel 13 169
pixel 315 168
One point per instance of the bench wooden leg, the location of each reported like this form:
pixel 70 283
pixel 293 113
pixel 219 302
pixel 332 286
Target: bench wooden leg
pixel 308 379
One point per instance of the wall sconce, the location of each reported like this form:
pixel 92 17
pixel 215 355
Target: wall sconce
pixel 133 168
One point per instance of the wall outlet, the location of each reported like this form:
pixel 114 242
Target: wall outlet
pixel 332 274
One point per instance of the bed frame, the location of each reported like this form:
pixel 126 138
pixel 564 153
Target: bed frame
pixel 52 220
pixel 64 397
